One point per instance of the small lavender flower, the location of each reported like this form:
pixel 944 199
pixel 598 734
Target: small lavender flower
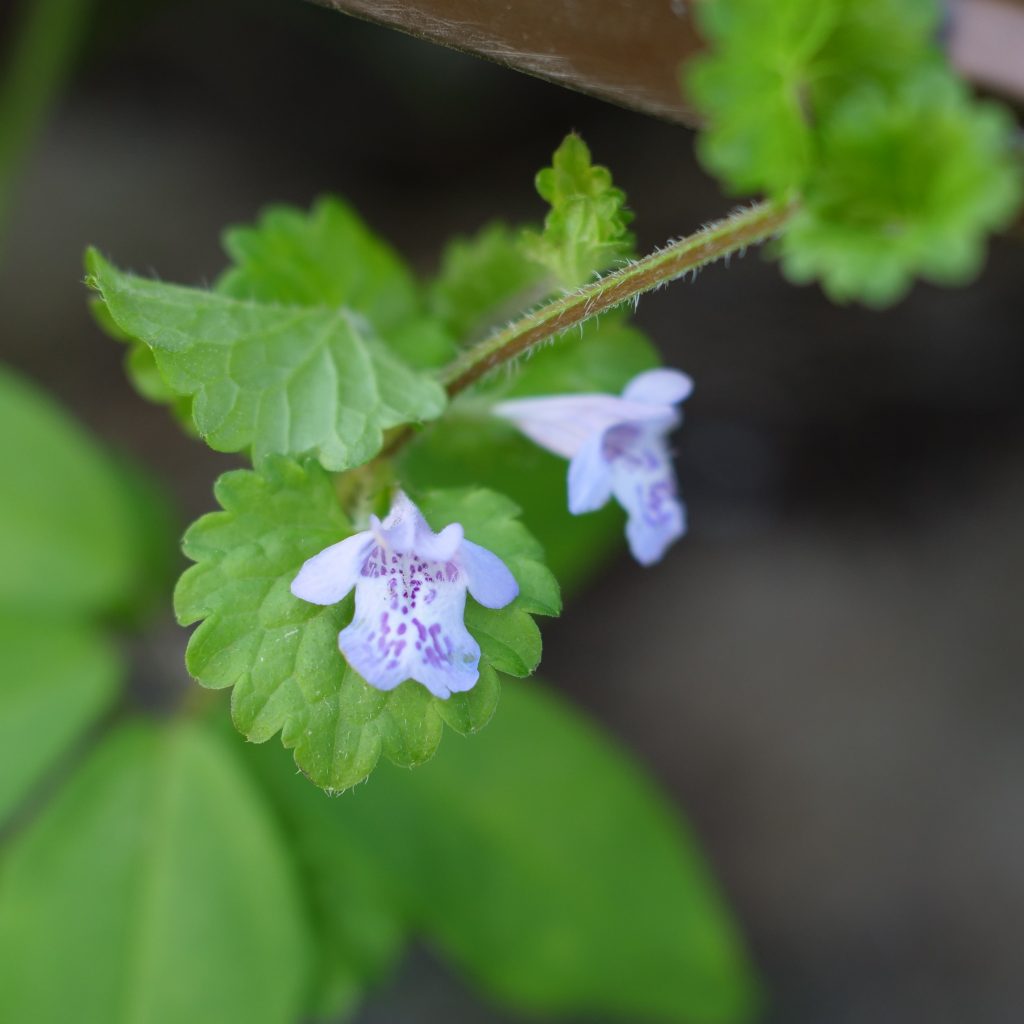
pixel 410 588
pixel 616 446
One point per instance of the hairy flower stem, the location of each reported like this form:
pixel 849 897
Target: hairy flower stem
pixel 737 231
pixel 740 229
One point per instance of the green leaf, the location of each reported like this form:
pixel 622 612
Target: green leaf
pixel 360 924
pixel 586 229
pixel 484 281
pixel 68 539
pixel 281 380
pixel 546 866
pixel 469 446
pixel 909 183
pixel 154 888
pixel 329 258
pixel 58 679
pixel 775 70
pixel 280 654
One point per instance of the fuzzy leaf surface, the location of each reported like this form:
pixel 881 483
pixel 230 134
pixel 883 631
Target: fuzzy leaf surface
pixel 280 654
pixel 270 378
pixel 161 855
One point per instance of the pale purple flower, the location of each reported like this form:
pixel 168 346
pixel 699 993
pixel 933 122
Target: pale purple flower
pixel 410 588
pixel 616 446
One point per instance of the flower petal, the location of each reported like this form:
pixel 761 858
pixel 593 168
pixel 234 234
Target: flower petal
pixel 590 477
pixel 489 579
pixel 659 387
pixel 327 577
pixel 649 541
pixel 644 483
pixel 395 637
pixel 564 423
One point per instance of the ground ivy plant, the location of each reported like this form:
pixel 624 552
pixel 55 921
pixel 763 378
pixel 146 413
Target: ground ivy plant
pixel 419 469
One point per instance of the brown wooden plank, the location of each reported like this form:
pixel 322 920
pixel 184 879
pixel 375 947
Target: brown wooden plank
pixel 629 51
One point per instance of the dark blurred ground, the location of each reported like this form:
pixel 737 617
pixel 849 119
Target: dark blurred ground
pixel 827 672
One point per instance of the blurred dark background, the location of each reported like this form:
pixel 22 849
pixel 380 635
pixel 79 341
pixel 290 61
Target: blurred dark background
pixel 827 672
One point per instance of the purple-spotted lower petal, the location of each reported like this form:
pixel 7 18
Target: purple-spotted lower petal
pixel 659 387
pixel 590 477
pixel 644 484
pixel 487 576
pixel 408 624
pixel 327 577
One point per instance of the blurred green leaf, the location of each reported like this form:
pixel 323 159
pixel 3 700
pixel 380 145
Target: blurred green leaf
pixel 281 655
pixel 545 865
pixel 360 925
pixel 281 380
pixel 484 281
pixel 58 680
pixel 586 229
pixel 154 888
pixel 910 183
pixel 774 71
pixel 68 536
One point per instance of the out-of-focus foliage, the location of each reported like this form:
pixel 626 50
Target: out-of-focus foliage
pixel 69 539
pixel 903 188
pixel 538 860
pixel 847 108
pixel 80 543
pixel 154 887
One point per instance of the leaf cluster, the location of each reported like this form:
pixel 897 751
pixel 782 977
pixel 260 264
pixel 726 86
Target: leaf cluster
pixel 849 109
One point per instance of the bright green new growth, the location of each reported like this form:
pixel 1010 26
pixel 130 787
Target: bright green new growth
pixel 273 379
pixel 586 229
pixel 907 184
pixel 775 70
pixel 846 107
pixel 281 654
